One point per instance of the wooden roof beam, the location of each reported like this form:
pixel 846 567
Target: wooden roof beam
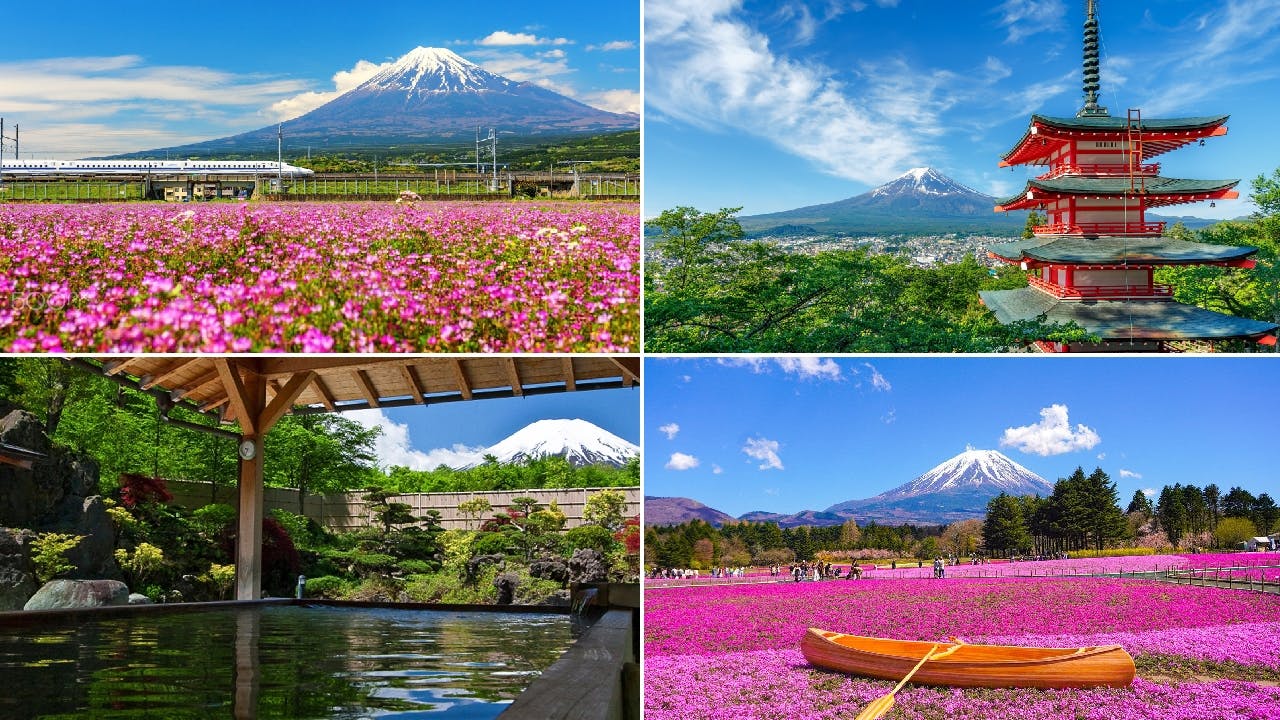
pixel 570 381
pixel 366 387
pixel 415 388
pixel 513 376
pixel 284 400
pixel 163 378
pixel 326 397
pixel 630 367
pixel 460 375
pixel 236 394
pixel 115 367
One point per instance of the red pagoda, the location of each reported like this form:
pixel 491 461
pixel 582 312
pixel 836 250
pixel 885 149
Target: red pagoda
pixel 1094 260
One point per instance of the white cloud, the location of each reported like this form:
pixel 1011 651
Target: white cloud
pixel 890 417
pixel 1024 18
pixel 614 45
pixel 708 68
pixel 764 450
pixel 681 461
pixel 805 366
pixel 393 447
pixel 1130 474
pixel 618 101
pixel 343 81
pixel 1053 435
pixel 502 38
pixel 670 430
pixel 1149 492
pixel 1102 456
pixel 878 381
pixel 716 470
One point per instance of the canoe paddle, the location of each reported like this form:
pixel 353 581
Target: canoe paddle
pixel 884 703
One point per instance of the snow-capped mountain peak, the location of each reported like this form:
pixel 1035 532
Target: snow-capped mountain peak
pixel 974 470
pixel 578 441
pixel 922 181
pixel 435 70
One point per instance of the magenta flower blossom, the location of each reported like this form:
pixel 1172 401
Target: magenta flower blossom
pixel 434 277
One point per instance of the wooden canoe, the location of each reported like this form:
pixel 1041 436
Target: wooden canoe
pixel 970 665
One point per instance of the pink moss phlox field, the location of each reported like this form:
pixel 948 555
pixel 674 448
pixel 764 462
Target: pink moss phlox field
pixel 455 277
pixel 732 651
pixel 781 685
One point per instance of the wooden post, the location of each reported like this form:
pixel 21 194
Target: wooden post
pixel 249 538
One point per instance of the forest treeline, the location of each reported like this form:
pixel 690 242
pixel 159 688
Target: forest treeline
pixel 708 289
pixel 1081 516
pixel 123 431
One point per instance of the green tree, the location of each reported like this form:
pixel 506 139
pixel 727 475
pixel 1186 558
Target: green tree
pixel 1265 513
pixel 1233 531
pixel 319 453
pixel 1004 531
pixel 1171 514
pixel 1140 503
pixel 607 508
pixel 1034 219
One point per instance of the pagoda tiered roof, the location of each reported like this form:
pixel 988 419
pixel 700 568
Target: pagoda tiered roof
pixel 1113 320
pixel 1076 250
pixel 1156 191
pixel 1159 136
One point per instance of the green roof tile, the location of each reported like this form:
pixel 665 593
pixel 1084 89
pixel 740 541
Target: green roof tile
pixel 1121 123
pixel 1071 185
pixel 1122 320
pixel 1117 250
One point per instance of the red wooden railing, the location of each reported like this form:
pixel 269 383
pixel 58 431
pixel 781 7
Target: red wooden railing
pixel 1109 170
pixel 1111 228
pixel 1101 291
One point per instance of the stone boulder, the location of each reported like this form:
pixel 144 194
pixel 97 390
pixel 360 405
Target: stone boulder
pixel 17 576
pixel 67 594
pixel 139 599
pixel 588 566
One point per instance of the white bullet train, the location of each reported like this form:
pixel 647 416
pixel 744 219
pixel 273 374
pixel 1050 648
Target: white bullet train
pixel 150 167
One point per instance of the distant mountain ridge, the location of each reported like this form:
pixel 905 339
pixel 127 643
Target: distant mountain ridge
pixel 921 200
pixel 427 95
pixel 956 489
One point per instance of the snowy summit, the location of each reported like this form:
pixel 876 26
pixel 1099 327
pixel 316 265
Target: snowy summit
pixel 436 70
pixel 578 441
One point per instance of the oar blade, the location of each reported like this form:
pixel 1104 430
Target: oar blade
pixel 878 707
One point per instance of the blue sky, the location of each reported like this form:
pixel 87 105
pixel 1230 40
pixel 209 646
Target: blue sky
pixel 780 104
pixel 803 433
pixel 453 433
pixel 95 78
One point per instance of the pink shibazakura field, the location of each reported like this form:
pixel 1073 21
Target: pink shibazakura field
pixel 1203 653
pixel 435 277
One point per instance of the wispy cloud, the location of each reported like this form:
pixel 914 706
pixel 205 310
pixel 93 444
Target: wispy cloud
pixel 716 470
pixel 1130 474
pixel 878 381
pixel 1053 435
pixel 681 461
pixel 613 45
pixel 806 367
pixel 708 68
pixel 1024 18
pixel 764 450
pixel 670 430
pixel 503 38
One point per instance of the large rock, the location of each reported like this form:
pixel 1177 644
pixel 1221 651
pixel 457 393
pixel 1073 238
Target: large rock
pixel 67 594
pixel 17 576
pixel 94 557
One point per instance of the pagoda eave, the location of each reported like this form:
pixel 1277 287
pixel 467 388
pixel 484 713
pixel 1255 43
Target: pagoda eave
pixel 1110 253
pixel 1111 320
pixel 1046 134
pixel 1034 196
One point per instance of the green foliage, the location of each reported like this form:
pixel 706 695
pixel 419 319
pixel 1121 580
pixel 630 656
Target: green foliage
pixel 496 543
pixel 707 290
pixel 209 521
pixel 607 508
pixel 49 554
pixel 328 586
pixel 1234 530
pixel 533 473
pixel 475 508
pixel 1005 530
pixel 221 578
pixel 590 536
pixel 141 564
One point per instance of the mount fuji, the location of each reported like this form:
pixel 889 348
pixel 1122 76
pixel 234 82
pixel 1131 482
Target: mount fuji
pixel 921 200
pixel 427 95
pixel 578 441
pixel 957 489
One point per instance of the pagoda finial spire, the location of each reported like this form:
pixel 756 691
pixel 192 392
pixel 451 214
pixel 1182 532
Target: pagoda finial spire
pixel 1091 106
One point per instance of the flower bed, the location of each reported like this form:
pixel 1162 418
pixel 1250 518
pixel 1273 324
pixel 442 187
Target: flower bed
pixel 733 651
pixel 293 277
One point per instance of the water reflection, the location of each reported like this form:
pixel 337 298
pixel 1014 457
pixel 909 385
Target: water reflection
pixel 278 662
